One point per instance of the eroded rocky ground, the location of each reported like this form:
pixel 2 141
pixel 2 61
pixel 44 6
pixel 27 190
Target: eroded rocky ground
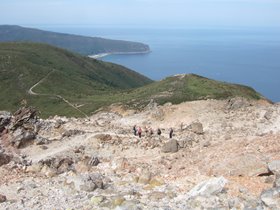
pixel 217 159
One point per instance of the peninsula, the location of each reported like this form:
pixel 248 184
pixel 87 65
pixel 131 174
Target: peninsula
pixel 80 44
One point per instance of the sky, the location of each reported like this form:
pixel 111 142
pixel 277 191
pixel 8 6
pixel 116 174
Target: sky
pixel 200 13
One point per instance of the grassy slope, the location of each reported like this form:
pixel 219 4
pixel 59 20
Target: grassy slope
pixel 190 87
pixel 79 44
pixel 93 84
pixel 74 77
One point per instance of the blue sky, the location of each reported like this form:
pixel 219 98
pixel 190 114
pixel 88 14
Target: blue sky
pixel 230 13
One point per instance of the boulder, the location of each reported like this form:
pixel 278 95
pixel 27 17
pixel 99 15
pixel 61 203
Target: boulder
pixel 23 138
pixel 4 158
pixel 196 127
pixel 274 167
pixel 88 182
pixel 22 116
pixel 237 103
pixel 170 147
pixel 208 188
pixel 271 198
pixel 240 165
pixel 5 118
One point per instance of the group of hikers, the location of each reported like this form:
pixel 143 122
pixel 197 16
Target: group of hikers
pixel 149 131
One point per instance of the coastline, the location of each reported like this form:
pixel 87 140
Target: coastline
pixel 101 55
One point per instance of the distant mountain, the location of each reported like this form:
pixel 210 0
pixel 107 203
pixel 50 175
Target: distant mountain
pixel 59 82
pixel 79 44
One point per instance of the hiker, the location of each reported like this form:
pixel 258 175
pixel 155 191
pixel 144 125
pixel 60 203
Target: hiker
pixel 151 132
pixel 134 130
pixel 170 133
pixel 139 132
pixel 146 131
pixel 158 132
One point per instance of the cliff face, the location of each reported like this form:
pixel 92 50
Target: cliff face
pixel 98 162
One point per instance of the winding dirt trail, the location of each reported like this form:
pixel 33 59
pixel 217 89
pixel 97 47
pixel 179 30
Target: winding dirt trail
pixel 31 92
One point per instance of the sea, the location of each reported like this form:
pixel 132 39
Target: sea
pixel 248 56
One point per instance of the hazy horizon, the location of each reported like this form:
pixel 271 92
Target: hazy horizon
pixel 139 13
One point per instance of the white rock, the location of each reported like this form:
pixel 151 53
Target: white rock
pixel 207 188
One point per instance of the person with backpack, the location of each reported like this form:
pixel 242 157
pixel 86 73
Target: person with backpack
pixel 134 130
pixel 158 132
pixel 139 132
pixel 171 133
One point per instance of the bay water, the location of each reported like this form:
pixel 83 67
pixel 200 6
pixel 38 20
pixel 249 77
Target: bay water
pixel 248 56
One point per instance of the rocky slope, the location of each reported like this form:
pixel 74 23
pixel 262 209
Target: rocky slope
pixel 223 155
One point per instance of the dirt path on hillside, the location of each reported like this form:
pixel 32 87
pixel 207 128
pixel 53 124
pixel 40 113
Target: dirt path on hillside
pixel 31 92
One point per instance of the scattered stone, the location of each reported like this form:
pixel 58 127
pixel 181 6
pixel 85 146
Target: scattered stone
pixel 104 137
pixel 58 123
pixel 118 201
pixel 80 149
pixel 170 147
pixel 186 142
pixel 44 147
pixel 145 177
pixel 158 196
pixel 268 115
pixel 35 168
pixel 96 200
pixel 72 133
pixel 208 188
pixel 206 144
pixel 129 205
pixel 40 140
pixel 3 198
pixel 48 171
pixel 94 161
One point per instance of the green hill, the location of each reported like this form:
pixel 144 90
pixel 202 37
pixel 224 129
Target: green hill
pixel 188 87
pixel 59 82
pixel 70 75
pixel 79 44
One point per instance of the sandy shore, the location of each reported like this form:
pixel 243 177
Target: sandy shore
pixel 101 55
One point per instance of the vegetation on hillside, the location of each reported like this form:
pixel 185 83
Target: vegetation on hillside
pixel 89 84
pixel 70 75
pixel 79 44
